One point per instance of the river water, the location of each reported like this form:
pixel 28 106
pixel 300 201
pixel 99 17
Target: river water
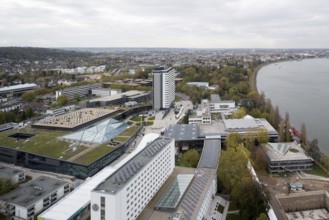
pixel 300 88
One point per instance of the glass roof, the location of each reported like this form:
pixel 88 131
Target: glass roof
pixel 98 133
pixel 171 198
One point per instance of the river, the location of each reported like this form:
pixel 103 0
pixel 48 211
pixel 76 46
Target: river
pixel 300 88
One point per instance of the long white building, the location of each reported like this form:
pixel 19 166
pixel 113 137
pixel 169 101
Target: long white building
pixel 127 191
pixel 10 91
pixel 163 87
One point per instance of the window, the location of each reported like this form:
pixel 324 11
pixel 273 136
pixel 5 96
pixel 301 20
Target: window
pixel 102 208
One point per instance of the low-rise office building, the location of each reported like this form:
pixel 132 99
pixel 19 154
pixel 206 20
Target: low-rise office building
pixel 118 99
pixel 283 157
pixel 12 174
pixel 125 193
pixel 16 90
pixel 78 91
pixel 203 114
pixel 33 197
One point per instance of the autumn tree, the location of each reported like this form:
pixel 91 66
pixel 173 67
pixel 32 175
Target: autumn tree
pixel 262 216
pixel 281 132
pixel 287 128
pixel 232 168
pixel 28 96
pixel 254 202
pixel 303 135
pixel 233 140
pixel 240 113
pixel 262 136
pixel 62 100
pixel 190 158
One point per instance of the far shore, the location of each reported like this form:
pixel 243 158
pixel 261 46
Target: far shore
pixel 253 78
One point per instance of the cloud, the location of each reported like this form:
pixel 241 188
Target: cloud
pixel 171 23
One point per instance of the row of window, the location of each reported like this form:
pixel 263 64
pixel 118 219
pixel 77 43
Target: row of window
pixel 141 191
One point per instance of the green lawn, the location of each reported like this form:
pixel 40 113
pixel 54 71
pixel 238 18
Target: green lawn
pixel 121 139
pixel 129 132
pixel 148 123
pixel 317 171
pixel 94 154
pixel 136 118
pixel 44 142
pixel 152 118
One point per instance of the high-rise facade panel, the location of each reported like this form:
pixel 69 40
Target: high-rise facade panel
pixel 163 87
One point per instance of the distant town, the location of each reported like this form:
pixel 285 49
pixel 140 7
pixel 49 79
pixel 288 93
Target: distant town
pixel 152 133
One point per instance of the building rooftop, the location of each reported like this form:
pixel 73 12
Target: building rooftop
pixel 18 87
pixel 124 174
pixel 214 98
pixel 33 191
pixel 74 119
pixel 130 93
pixel 8 172
pixel 8 126
pixel 99 133
pixel 285 151
pixel 210 154
pixel 78 199
pixel 183 132
pixel 193 198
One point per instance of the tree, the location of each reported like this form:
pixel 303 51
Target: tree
pixel 232 169
pixel 260 159
pixel 233 140
pixel 190 158
pixel 303 135
pixel 28 96
pixel 281 132
pixel 62 100
pixel 262 136
pixel 287 128
pixel 313 150
pixel 262 216
pixel 6 185
pixel 240 113
pixel 254 202
pixel 275 116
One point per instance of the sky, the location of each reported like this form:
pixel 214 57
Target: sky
pixel 165 23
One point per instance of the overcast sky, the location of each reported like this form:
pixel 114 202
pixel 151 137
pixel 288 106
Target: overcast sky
pixel 165 23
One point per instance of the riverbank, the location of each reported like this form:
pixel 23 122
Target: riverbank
pixel 254 73
pixel 279 86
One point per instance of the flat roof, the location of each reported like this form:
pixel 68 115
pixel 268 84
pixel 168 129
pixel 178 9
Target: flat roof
pixel 214 98
pixel 194 197
pixel 79 198
pixel 88 86
pixel 18 87
pixel 285 151
pixel 124 174
pixel 183 132
pixel 33 191
pixel 8 126
pixel 118 96
pixel 238 124
pixel 74 119
pixel 8 172
pixel 210 154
